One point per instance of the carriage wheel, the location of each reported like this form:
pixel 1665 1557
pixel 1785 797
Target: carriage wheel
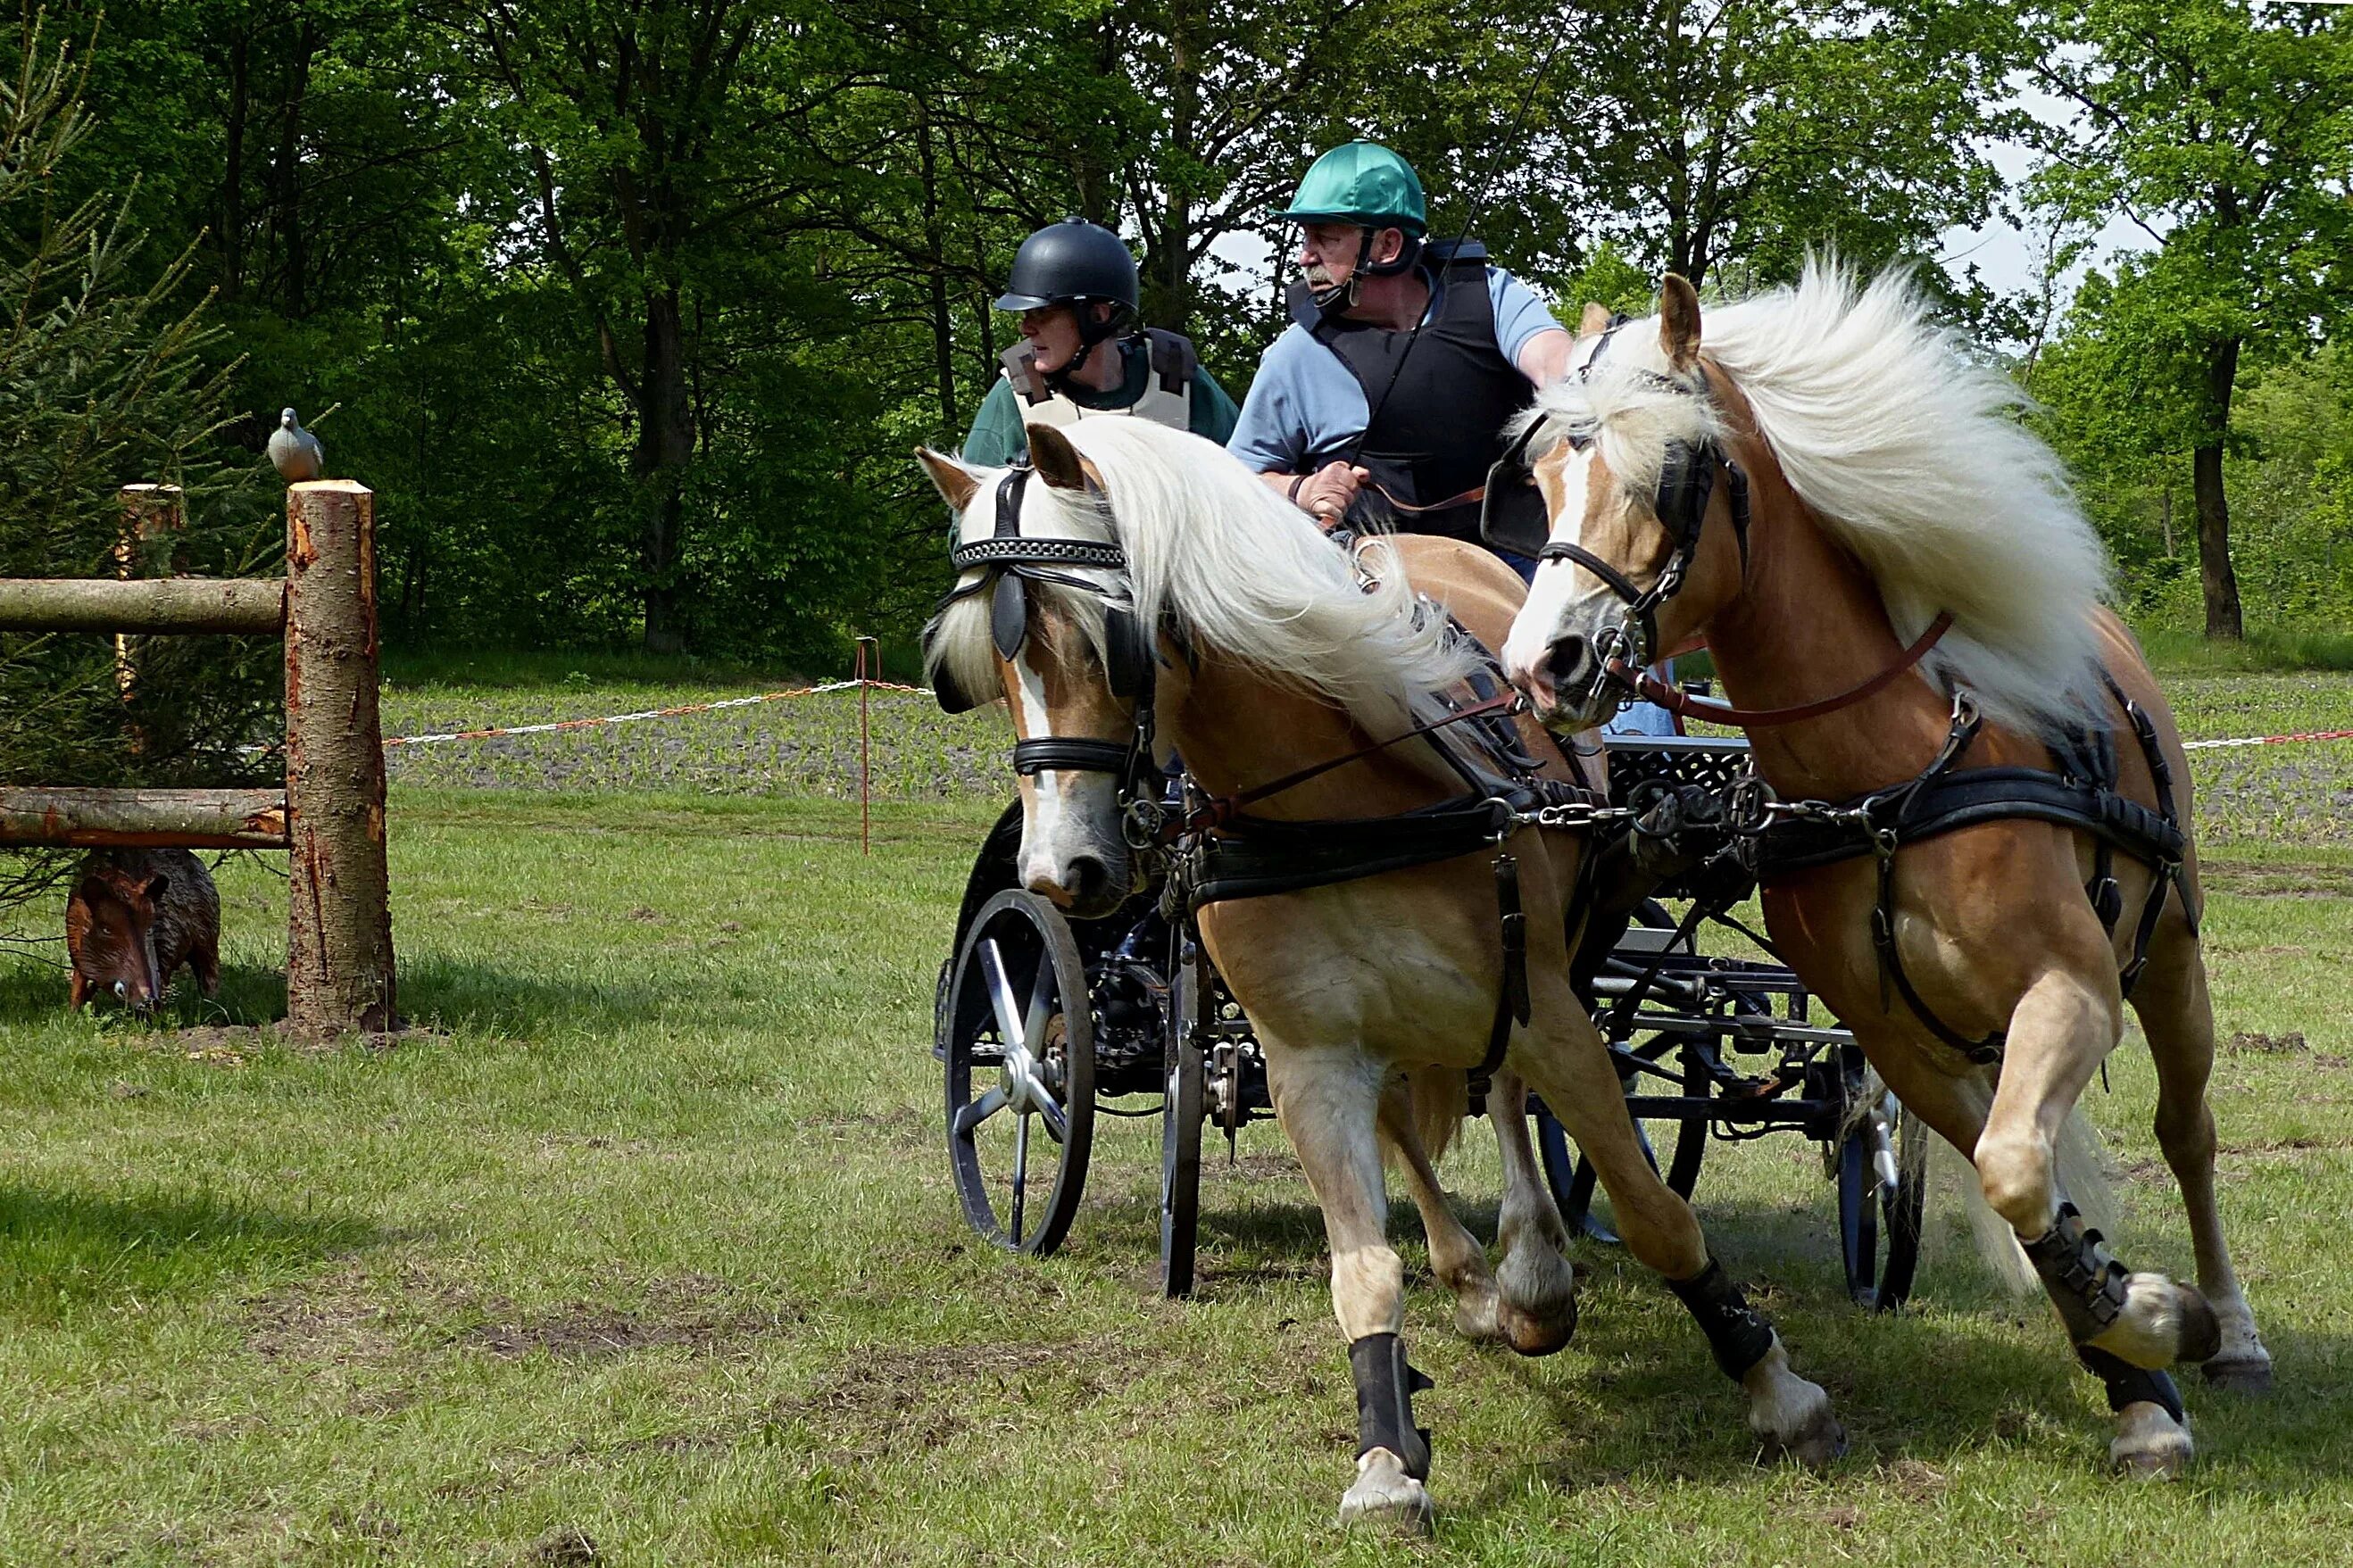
pixel 1180 1134
pixel 1571 1176
pixel 1871 1212
pixel 1018 1042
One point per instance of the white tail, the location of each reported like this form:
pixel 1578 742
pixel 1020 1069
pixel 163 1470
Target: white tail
pixel 2079 1165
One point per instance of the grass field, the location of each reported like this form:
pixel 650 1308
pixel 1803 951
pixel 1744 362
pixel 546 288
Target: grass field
pixel 641 1250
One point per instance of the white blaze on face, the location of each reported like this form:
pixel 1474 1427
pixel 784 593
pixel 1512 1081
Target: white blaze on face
pixel 1071 812
pixel 1562 591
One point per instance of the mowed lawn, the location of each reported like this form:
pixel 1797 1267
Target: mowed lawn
pixel 641 1250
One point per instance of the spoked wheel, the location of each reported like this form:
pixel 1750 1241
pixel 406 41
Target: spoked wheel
pixel 1571 1176
pixel 1018 1042
pixel 1181 1132
pixel 1881 1193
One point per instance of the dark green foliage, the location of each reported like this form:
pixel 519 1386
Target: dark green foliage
pixel 102 384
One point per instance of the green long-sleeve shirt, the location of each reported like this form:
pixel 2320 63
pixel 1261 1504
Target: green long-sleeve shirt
pixel 998 436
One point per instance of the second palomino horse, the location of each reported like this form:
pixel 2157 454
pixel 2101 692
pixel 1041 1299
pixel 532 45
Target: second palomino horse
pixel 1982 847
pixel 1140 589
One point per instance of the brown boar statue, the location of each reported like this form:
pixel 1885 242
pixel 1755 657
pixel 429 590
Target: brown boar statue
pixel 135 916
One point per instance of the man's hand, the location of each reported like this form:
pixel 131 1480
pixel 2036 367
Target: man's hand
pixel 1324 494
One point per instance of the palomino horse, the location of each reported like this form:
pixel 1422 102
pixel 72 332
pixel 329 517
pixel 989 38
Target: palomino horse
pixel 1265 654
pixel 1831 493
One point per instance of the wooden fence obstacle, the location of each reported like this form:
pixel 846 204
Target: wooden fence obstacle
pixel 330 814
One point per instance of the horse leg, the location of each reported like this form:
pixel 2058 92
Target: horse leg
pixel 1571 1069
pixel 2126 1326
pixel 1537 1283
pixel 1329 1102
pixel 2178 1016
pixel 1455 1255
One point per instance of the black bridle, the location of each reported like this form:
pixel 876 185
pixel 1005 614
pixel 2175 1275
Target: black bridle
pixel 1686 486
pixel 1008 561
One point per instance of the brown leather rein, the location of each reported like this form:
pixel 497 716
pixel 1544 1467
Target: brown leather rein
pixel 1691 707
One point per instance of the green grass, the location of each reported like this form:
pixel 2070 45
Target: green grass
pixel 2261 650
pixel 647 1235
pixel 652 1240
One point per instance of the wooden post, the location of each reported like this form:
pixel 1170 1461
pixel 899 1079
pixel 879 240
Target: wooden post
pixel 339 969
pixel 149 536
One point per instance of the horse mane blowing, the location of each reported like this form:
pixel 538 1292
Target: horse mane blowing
pixel 1230 568
pixel 1910 455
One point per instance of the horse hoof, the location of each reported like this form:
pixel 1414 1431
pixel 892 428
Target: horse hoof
pixel 1815 1445
pixel 2149 1444
pixel 2240 1374
pixel 1386 1497
pixel 1536 1334
pixel 2199 1336
pixel 1476 1318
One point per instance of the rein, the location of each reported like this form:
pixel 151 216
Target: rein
pixel 1690 706
pixel 1224 808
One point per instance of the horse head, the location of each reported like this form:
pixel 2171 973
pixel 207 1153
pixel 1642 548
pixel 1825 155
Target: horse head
pixel 1647 517
pixel 1042 616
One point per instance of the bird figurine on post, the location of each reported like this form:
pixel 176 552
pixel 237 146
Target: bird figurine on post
pixel 295 451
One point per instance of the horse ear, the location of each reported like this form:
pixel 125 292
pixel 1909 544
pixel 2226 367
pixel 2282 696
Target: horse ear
pixel 1595 320
pixel 1056 460
pixel 954 482
pixel 1679 321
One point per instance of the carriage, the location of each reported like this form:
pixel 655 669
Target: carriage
pixel 1044 1022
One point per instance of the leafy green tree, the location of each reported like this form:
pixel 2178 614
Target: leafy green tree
pixel 2226 133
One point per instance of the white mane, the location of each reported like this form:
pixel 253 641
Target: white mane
pixel 1233 570
pixel 1907 452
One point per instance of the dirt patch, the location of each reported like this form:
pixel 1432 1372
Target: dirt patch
pixel 2261 1147
pixel 564 1549
pixel 1914 1481
pixel 684 1311
pixel 2247 1042
pixel 902 1126
pixel 886 1400
pixel 338 1318
pixel 233 1045
pixel 2287 881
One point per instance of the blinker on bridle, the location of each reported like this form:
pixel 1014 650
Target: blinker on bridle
pixel 1686 485
pixel 1007 561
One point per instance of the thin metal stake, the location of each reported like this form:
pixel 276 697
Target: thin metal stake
pixel 866 675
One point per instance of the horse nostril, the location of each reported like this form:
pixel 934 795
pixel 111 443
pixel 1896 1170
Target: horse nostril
pixel 1088 880
pixel 1572 663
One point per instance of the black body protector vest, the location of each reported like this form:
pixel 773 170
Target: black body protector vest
pixel 1435 432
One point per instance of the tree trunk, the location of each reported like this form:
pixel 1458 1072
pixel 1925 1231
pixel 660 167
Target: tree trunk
pixel 339 974
pixel 2221 582
pixel 665 448
pixel 156 819
pixel 290 174
pixel 232 234
pixel 943 326
pixel 1170 305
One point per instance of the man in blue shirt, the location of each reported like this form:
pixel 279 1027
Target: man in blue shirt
pixel 1386 397
pixel 1384 400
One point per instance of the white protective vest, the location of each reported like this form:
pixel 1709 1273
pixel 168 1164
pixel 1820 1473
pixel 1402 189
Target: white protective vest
pixel 1168 391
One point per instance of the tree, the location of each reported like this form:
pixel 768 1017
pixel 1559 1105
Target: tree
pixel 102 385
pixel 2227 135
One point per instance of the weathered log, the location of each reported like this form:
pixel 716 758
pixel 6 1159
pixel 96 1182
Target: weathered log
pixel 253 605
pixel 156 819
pixel 339 969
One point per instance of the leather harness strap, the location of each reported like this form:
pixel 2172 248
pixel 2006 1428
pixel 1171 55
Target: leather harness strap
pixel 1690 706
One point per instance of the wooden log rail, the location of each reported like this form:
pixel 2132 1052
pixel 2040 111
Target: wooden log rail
pixel 149 606
pixel 331 815
pixel 158 818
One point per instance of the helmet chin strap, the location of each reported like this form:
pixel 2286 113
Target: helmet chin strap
pixel 1090 334
pixel 1334 297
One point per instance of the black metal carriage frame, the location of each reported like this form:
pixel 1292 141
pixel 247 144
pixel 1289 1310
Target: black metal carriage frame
pixel 1708 1047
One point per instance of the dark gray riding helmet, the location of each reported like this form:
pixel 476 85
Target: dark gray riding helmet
pixel 1069 263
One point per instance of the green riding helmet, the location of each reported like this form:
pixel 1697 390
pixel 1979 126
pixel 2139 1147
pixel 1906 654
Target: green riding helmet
pixel 1361 183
